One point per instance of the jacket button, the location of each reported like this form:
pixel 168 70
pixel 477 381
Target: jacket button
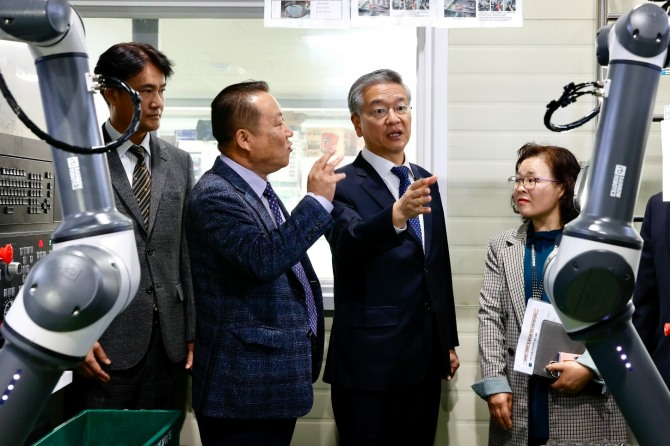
pixel 150 251
pixel 150 289
pixel 427 305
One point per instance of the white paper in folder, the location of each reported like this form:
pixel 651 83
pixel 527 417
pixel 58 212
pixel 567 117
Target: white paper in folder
pixel 529 338
pixel 665 153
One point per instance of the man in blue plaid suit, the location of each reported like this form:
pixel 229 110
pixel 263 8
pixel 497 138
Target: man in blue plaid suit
pixel 259 330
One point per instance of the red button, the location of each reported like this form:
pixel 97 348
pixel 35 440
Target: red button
pixel 7 254
pixel 666 329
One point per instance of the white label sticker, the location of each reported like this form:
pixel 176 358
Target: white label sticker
pixel 75 173
pixel 617 181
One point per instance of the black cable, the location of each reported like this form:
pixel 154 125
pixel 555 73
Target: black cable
pixel 665 6
pixel 570 94
pixel 103 82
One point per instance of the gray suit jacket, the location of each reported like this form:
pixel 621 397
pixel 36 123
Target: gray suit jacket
pixel 164 260
pixel 502 306
pixel 253 358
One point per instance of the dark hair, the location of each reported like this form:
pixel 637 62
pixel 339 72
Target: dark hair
pixel 125 60
pixel 232 110
pixel 564 168
pixel 384 76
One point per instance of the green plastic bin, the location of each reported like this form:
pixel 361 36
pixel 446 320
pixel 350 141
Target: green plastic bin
pixel 118 427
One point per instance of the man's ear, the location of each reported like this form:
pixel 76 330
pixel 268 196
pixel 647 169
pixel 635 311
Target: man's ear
pixel 356 121
pixel 111 95
pixel 244 139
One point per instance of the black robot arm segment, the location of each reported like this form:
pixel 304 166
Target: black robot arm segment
pixel 71 296
pixel 590 276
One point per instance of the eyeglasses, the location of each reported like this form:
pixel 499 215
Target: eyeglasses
pixel 528 182
pixel 380 113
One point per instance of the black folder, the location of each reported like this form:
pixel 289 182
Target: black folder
pixel 553 339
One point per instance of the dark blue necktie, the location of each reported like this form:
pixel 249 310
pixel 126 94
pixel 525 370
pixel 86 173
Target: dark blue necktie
pixel 298 270
pixel 402 172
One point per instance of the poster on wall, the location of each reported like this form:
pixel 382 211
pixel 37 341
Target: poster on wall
pixel 306 14
pixel 393 12
pixel 365 13
pixel 480 14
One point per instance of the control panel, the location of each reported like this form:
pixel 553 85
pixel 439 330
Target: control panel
pixel 27 191
pixel 16 259
pixel 29 211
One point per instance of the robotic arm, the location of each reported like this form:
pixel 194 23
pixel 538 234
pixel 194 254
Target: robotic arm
pixel 590 277
pixel 71 296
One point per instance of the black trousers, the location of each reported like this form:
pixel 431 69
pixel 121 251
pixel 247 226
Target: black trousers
pixel 154 383
pixel 400 416
pixel 258 432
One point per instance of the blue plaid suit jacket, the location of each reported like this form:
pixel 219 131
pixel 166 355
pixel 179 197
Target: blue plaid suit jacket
pixel 253 358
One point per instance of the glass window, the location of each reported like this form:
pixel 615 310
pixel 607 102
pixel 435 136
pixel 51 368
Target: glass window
pixel 309 72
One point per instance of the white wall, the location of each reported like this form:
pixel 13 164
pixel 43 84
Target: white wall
pixel 500 82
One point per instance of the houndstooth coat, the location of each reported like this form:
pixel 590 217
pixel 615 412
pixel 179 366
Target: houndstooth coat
pixel 502 305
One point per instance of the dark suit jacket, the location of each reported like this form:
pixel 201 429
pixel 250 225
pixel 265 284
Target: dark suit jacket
pixel 253 358
pixel 652 287
pixel 385 287
pixel 163 255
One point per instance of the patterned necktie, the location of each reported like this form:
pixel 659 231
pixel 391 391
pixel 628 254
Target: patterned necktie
pixel 141 182
pixel 298 270
pixel 402 172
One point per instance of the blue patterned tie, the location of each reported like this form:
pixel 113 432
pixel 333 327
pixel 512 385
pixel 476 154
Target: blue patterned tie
pixel 402 172
pixel 298 270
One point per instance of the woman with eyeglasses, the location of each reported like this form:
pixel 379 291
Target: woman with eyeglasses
pixel 530 409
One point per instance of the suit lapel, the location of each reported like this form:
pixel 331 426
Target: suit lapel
pixel 513 257
pixel 123 189
pixel 160 159
pixel 427 220
pixel 370 181
pixel 246 192
pixel 375 187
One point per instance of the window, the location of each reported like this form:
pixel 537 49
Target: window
pixel 309 72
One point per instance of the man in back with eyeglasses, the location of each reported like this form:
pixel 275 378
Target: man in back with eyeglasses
pixel 394 330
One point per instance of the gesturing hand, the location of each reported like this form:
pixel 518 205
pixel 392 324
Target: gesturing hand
pixel 413 202
pixel 322 178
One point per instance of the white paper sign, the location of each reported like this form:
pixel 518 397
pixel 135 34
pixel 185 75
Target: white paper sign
pixel 306 13
pixel 526 349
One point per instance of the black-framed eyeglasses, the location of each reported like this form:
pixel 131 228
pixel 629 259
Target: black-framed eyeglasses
pixel 380 113
pixel 528 182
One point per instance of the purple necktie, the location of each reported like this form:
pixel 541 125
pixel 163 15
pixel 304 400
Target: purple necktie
pixel 298 270
pixel 402 172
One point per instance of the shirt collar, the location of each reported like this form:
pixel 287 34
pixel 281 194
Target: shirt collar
pixel 382 165
pixel 257 183
pixel 123 148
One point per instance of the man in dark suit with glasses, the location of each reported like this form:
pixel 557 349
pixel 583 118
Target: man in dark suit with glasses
pixel 394 330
